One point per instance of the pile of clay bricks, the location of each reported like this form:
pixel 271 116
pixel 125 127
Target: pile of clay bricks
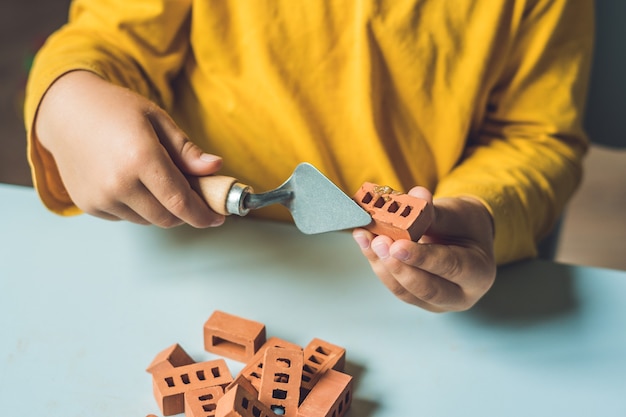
pixel 278 378
pixel 397 215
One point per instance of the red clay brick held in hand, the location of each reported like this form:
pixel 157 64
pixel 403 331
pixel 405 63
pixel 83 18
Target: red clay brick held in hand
pixel 280 383
pixel 170 385
pixel 399 216
pixel 232 336
pixel 172 357
pixel 330 397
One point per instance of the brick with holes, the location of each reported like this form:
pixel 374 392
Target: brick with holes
pixel 238 402
pixel 320 356
pixel 399 216
pixel 244 382
pixel 169 385
pixel 202 402
pixel 232 336
pixel 254 369
pixel 281 380
pixel 172 357
pixel 330 397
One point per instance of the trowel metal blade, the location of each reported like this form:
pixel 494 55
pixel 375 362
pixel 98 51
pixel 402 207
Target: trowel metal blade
pixel 319 206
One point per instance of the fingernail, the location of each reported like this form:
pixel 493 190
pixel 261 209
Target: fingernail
pixel 381 250
pixel 362 240
pixel 401 254
pixel 207 157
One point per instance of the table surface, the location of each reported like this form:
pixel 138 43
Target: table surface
pixel 86 304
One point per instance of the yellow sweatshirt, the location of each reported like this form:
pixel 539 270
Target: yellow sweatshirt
pixel 477 98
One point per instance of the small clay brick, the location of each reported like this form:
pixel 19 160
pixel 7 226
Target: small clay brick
pixel 320 356
pixel 399 216
pixel 281 379
pixel 232 336
pixel 330 397
pixel 254 369
pixel 170 385
pixel 172 357
pixel 244 382
pixel 240 403
pixel 202 402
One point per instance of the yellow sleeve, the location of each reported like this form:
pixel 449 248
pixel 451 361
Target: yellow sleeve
pixel 136 44
pixel 525 158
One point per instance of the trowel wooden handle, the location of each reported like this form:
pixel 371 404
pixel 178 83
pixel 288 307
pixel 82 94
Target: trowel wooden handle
pixel 225 195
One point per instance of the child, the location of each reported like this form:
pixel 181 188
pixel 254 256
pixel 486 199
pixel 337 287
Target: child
pixel 479 101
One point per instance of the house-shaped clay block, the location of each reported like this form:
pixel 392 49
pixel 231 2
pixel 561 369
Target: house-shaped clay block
pixel 240 403
pixel 232 336
pixel 172 357
pixel 320 356
pixel 280 382
pixel 254 369
pixel 330 397
pixel 202 402
pixel 245 383
pixel 399 216
pixel 169 385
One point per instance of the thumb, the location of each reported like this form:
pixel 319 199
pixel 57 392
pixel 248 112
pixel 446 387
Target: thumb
pixel 459 218
pixel 421 192
pixel 187 156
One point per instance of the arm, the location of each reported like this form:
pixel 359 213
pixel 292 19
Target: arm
pixel 524 158
pixel 451 266
pixel 522 164
pixel 98 141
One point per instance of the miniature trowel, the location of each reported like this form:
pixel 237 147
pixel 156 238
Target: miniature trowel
pixel 316 204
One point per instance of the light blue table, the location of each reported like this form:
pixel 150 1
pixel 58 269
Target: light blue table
pixel 85 305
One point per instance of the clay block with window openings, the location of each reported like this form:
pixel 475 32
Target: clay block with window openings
pixel 244 382
pixel 399 216
pixel 202 402
pixel 172 357
pixel 254 369
pixel 169 385
pixel 232 336
pixel 281 379
pixel 330 397
pixel 238 402
pixel 320 356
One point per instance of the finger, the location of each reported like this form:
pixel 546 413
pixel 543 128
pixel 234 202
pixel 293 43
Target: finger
pixel 401 290
pixel 120 212
pixel 187 156
pixel 447 222
pixel 145 205
pixel 435 259
pixel 449 262
pixel 365 238
pixel 421 192
pixel 172 190
pixel 424 285
pixel 375 247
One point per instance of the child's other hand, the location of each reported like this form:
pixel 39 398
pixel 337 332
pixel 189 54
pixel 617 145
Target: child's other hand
pixel 450 268
pixel 120 156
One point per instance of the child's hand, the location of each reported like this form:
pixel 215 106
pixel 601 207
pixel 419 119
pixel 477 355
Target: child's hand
pixel 450 268
pixel 120 156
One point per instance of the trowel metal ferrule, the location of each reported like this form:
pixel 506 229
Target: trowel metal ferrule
pixel 241 199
